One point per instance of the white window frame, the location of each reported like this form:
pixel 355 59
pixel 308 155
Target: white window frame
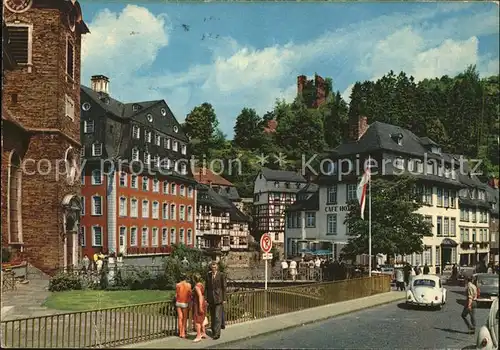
pixel 145 208
pixel 165 213
pixel 182 190
pixel 88 126
pixel 123 176
pixel 182 213
pixel 166 187
pixel 147 136
pixel 157 139
pixel 145 183
pixel 189 236
pixel 173 215
pixel 155 210
pixel 122 206
pixel 182 237
pixel 183 149
pixel 97 152
pixel 164 236
pixel 175 146
pixel 135 154
pixel 189 213
pixel 124 228
pixel 351 192
pixel 173 232
pixel 332 191
pixel 173 189
pixel 145 234
pixel 132 178
pixel 134 209
pixel 183 168
pixel 156 185
pixel 308 215
pixel 94 241
pixel 93 207
pixel 133 234
pixel 147 158
pixel 93 175
pixel 29 64
pixel 168 143
pixel 154 237
pixel 335 226
pixel 190 192
pixel 136 132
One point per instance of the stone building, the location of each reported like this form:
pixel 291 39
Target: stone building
pixel 41 130
pixel 139 196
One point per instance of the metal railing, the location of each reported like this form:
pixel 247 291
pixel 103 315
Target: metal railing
pixel 114 327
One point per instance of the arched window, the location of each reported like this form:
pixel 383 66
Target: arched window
pixel 14 200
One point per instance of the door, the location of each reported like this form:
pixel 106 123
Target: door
pixel 122 242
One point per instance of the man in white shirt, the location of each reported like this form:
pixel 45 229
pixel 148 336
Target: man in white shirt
pixel 293 269
pixel 284 270
pixel 470 306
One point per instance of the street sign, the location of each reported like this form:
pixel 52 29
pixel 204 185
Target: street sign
pixel 267 256
pixel 266 243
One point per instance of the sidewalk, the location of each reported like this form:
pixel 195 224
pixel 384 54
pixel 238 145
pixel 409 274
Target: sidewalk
pixel 241 331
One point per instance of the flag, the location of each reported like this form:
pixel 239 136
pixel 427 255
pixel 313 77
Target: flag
pixel 361 191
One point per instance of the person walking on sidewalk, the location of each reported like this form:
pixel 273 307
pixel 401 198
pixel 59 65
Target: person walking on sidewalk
pixel 199 309
pixel 400 281
pixel 470 306
pixel 216 297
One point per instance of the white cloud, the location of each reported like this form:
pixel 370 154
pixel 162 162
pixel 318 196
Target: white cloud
pixel 242 76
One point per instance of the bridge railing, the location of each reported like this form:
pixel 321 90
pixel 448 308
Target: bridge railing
pixel 113 327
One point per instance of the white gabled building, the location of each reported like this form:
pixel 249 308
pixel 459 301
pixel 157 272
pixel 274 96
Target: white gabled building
pixel 396 151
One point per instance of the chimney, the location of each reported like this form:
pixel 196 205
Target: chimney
pixel 357 128
pixel 301 82
pixel 100 83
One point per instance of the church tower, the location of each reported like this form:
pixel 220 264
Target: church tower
pixel 40 157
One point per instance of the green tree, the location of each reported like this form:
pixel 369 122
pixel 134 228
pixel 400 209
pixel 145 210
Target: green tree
pixel 201 128
pixel 334 115
pixel 248 130
pixel 396 227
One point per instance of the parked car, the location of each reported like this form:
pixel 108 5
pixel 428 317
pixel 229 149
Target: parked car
pixel 426 290
pixel 487 338
pixel 488 287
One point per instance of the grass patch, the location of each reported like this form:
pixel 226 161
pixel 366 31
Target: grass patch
pixel 81 300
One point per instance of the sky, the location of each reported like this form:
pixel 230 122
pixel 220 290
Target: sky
pixel 248 54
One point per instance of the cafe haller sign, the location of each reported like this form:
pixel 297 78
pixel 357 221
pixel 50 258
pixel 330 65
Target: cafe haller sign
pixel 337 208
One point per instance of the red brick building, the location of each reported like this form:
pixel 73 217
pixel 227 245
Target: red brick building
pixel 41 130
pixel 314 91
pixel 148 202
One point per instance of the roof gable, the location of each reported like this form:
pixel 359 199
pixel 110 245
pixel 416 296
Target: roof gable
pixel 282 175
pixel 207 176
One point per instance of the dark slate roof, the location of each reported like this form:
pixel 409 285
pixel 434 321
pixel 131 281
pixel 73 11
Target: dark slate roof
pixel 309 188
pixel 427 141
pixel 282 175
pixel 476 203
pixel 235 214
pixel 207 196
pixel 493 197
pixel 378 138
pixel 125 111
pixel 311 203
pixel 230 192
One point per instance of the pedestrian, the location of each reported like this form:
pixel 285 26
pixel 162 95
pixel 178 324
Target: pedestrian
pixel 418 270
pixel 293 269
pixel 400 280
pixel 183 295
pixel 86 263
pixel 454 273
pixel 470 306
pixel 199 309
pixel 216 297
pixel 284 269
pixel 426 269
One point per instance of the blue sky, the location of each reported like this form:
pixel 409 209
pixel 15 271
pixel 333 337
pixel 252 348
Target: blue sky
pixel 237 55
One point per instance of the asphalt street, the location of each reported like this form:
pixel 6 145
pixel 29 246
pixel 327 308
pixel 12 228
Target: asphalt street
pixel 391 326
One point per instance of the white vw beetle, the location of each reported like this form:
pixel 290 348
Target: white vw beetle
pixel 487 338
pixel 426 290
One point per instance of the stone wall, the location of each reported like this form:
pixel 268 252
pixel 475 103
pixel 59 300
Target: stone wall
pixel 241 259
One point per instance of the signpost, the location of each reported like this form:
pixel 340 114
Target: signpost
pixel 266 244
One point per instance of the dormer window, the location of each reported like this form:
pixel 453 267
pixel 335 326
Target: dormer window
pixel 86 106
pixel 97 149
pixel 147 158
pixel 148 136
pixel 135 154
pixel 176 129
pixel 156 161
pixel 175 146
pixel 436 149
pixel 157 140
pixel 398 138
pixel 136 132
pixel 184 149
pixel 163 112
pixel 183 169
pixel 149 117
pixel 135 107
pixel 297 185
pixel 276 184
pixel 287 184
pixel 167 143
pixel 88 126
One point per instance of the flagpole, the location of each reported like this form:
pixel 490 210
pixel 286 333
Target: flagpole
pixel 370 221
